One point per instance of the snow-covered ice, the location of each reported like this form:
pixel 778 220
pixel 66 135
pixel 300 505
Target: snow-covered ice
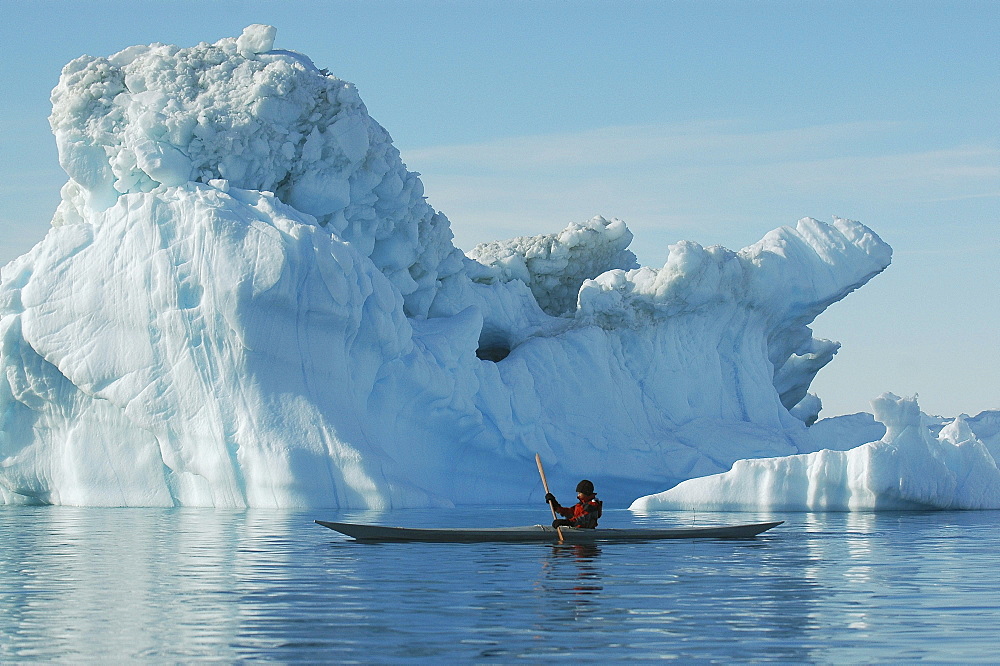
pixel 909 468
pixel 245 299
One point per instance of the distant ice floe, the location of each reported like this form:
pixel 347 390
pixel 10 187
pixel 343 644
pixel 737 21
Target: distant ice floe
pixel 909 468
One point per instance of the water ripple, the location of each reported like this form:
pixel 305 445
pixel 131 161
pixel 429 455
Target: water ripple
pixel 92 585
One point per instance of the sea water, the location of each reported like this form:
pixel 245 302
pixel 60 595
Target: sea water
pixel 176 585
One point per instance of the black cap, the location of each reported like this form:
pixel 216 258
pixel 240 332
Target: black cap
pixel 585 487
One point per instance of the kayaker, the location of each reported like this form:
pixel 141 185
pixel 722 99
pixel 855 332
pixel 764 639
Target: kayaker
pixel 582 514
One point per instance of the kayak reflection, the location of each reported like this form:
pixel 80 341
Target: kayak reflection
pixel 573 567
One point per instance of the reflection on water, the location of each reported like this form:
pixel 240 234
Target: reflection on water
pixel 85 585
pixel 96 584
pixel 585 578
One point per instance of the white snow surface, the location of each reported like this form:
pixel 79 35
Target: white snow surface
pixel 245 300
pixel 909 468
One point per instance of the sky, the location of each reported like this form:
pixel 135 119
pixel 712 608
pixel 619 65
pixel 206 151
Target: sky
pixel 709 121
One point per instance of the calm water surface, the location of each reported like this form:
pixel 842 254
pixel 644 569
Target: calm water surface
pixel 175 585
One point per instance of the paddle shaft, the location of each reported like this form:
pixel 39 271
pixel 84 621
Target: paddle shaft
pixel 545 485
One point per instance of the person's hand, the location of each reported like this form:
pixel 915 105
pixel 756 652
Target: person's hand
pixel 550 498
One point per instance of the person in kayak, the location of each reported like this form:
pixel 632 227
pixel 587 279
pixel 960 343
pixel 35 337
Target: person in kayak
pixel 584 513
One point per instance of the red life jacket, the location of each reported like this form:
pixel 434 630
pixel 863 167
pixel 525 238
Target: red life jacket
pixel 584 513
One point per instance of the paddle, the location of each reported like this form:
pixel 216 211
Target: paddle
pixel 545 485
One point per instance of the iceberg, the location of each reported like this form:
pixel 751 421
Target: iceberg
pixel 246 300
pixel 909 468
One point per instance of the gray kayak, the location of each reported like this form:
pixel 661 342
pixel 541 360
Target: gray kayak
pixel 542 533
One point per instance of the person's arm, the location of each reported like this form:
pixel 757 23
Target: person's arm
pixel 561 510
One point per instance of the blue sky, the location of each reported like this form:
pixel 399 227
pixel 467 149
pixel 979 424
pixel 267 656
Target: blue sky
pixel 707 121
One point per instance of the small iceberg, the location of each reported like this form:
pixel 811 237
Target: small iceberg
pixel 908 469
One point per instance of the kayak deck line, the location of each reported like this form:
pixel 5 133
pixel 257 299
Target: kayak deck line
pixel 530 533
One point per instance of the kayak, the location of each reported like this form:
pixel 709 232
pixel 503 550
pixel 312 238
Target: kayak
pixel 542 533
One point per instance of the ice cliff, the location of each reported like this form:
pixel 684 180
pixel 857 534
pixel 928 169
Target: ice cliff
pixel 245 300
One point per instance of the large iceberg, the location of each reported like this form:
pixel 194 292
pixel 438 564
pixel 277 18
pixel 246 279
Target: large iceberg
pixel 245 300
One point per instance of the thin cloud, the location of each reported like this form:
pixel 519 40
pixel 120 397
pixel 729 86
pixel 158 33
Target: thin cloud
pixel 718 141
pixel 988 195
pixel 694 164
pixel 710 182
